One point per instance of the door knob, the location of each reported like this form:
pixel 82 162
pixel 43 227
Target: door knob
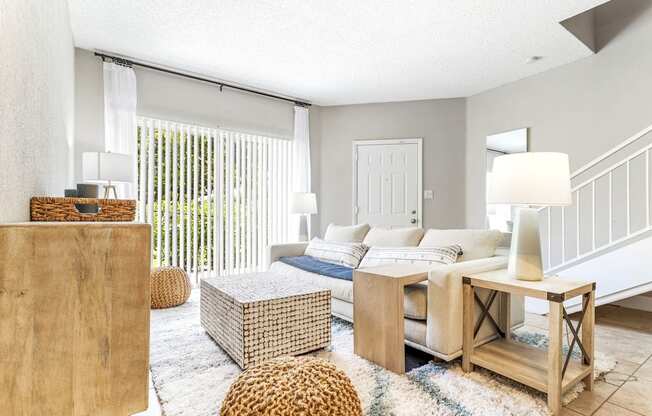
pixel 414 211
pixel 413 221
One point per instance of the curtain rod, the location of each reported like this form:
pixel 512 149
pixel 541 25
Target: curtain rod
pixel 128 62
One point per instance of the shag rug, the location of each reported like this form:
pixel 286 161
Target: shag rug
pixel 192 375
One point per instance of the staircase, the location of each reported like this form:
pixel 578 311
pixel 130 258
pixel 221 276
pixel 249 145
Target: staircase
pixel 606 234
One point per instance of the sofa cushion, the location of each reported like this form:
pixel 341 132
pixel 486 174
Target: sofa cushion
pixel 476 244
pixel 346 233
pixel 415 302
pixel 415 328
pixel 347 254
pixel 340 289
pixel 394 237
pixel 377 256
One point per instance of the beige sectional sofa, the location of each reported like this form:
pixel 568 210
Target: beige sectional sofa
pixel 433 308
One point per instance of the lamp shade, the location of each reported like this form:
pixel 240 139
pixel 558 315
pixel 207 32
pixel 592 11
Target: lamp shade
pixel 303 203
pixel 535 178
pixel 102 167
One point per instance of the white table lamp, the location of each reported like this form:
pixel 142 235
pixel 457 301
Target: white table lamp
pixel 107 168
pixel 304 204
pixel 529 179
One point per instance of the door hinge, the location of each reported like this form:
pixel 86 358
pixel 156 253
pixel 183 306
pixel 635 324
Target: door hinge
pixel 355 210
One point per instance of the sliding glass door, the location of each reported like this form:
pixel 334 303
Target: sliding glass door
pixel 215 198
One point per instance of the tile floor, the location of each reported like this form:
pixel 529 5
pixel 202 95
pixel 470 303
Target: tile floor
pixel 624 334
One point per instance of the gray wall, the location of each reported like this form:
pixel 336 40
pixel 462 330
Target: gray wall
pixel 179 99
pixel 583 108
pixel 441 124
pixel 332 129
pixel 89 107
pixel 36 103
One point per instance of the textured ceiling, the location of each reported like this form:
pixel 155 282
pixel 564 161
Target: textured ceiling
pixel 340 51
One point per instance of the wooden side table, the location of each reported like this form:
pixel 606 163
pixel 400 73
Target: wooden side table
pixel 550 372
pixel 378 315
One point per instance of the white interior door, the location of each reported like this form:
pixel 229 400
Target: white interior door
pixel 387 183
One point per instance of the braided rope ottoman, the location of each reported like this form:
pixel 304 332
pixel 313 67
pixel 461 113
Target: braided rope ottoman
pixel 169 286
pixel 292 386
pixel 258 316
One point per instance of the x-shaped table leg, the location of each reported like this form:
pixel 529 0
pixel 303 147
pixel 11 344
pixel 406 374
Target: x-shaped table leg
pixel 485 313
pixel 576 337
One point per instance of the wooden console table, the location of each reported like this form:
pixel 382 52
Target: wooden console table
pixel 74 318
pixel 549 372
pixel 378 315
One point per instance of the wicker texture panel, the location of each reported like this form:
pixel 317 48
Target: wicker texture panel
pixel 261 316
pixel 170 287
pixel 292 386
pixel 63 209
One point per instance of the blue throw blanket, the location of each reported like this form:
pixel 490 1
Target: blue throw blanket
pixel 314 265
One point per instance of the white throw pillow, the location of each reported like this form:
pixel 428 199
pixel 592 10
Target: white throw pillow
pixel 346 233
pixel 396 237
pixel 377 256
pixel 347 254
pixel 477 244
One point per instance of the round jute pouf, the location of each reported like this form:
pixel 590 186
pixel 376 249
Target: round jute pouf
pixel 292 386
pixel 170 286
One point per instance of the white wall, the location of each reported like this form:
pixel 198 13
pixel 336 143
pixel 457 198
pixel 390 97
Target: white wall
pixel 36 103
pixel 441 124
pixel 583 108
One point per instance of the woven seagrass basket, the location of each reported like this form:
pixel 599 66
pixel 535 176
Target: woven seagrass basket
pixel 65 209
pixel 170 287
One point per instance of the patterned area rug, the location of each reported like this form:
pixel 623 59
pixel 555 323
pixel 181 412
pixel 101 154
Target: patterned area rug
pixel 192 375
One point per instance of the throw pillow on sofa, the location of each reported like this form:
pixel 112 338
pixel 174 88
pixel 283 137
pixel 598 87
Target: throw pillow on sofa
pixel 377 256
pixel 346 233
pixel 393 237
pixel 477 244
pixel 347 254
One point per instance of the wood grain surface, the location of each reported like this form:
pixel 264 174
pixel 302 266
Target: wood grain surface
pixel 74 318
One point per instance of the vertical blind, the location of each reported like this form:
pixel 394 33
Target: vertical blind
pixel 215 198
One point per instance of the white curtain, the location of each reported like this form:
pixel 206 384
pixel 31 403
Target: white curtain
pixel 120 97
pixel 300 162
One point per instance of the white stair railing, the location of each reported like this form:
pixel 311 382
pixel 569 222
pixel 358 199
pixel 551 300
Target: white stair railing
pixel 578 212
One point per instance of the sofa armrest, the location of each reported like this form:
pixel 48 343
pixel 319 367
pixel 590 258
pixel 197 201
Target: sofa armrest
pixel 444 329
pixel 276 251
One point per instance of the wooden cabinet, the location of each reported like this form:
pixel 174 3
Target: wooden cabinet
pixel 74 318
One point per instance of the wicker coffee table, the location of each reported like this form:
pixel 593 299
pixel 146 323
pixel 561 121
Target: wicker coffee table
pixel 258 316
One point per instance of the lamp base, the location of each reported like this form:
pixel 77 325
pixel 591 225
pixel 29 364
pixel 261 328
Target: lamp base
pixel 525 251
pixel 304 232
pixel 107 191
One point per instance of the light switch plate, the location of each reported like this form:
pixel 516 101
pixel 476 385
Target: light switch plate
pixel 428 194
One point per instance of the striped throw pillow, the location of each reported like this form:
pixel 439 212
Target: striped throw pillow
pixel 377 256
pixel 347 254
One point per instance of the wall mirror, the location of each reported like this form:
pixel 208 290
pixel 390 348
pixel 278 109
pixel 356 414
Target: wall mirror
pixel 500 217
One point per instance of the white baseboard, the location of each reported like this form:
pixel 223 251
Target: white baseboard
pixel 640 302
